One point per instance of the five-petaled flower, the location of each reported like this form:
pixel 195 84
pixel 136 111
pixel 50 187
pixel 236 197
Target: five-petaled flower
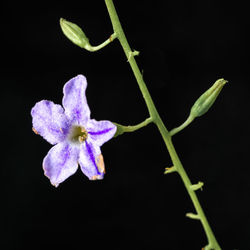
pixel 76 137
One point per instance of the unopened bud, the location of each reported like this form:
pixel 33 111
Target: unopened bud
pixel 206 100
pixel 75 34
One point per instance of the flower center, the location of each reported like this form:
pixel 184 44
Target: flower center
pixel 78 134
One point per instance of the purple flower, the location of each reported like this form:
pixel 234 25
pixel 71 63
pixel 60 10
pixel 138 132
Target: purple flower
pixel 76 137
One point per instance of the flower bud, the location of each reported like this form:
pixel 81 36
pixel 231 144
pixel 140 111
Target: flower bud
pixel 206 100
pixel 75 34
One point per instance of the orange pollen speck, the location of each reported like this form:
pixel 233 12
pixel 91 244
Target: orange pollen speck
pixel 100 163
pixel 35 131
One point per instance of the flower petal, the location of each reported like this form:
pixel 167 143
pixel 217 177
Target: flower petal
pixel 100 131
pixel 50 121
pixel 91 161
pixel 74 100
pixel 60 162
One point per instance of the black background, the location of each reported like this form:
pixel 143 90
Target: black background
pixel 185 46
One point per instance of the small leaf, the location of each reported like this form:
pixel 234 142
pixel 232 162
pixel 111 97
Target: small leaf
pixel 197 186
pixel 133 53
pixel 170 170
pixel 193 216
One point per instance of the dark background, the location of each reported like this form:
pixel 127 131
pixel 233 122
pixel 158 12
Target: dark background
pixel 185 46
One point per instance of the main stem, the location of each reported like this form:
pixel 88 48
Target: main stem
pixel 212 243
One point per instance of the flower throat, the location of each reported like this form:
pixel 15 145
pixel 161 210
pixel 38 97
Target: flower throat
pixel 78 134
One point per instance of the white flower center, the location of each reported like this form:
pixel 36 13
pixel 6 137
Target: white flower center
pixel 78 134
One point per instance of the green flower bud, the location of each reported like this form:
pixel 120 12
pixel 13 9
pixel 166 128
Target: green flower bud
pixel 205 101
pixel 75 34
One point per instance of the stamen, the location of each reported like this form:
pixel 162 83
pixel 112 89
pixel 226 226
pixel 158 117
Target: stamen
pixel 81 139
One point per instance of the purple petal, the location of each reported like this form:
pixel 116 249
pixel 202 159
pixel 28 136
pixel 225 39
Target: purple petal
pixel 91 161
pixel 50 121
pixel 60 162
pixel 100 131
pixel 74 100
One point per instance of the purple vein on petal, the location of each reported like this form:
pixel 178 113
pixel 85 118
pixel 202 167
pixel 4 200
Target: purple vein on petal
pixel 48 104
pixel 100 132
pixel 92 157
pixel 66 155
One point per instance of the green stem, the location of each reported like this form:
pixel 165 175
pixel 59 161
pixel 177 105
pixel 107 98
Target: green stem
pixel 212 242
pixel 102 45
pixel 213 245
pixel 125 129
pixel 182 126
pixel 130 56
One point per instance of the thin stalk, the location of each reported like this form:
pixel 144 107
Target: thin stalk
pixel 182 126
pixel 212 243
pixel 130 56
pixel 133 128
pixel 102 45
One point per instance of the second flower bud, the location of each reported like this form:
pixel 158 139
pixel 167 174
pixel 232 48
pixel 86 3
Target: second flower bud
pixel 75 34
